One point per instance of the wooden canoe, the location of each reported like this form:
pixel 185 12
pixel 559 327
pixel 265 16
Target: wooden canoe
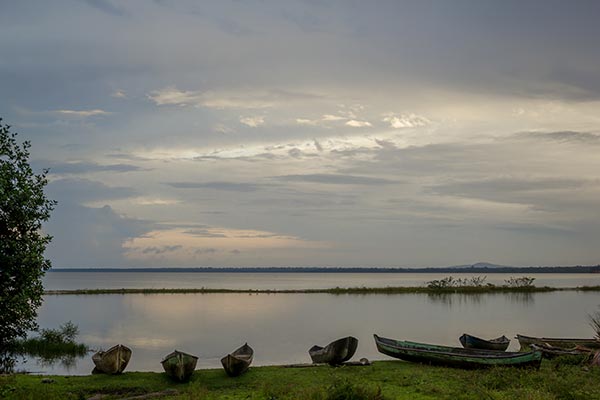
pixel 113 360
pixel 335 353
pixel 565 343
pixel 179 366
pixel 550 352
pixel 239 361
pixel 455 356
pixel 473 342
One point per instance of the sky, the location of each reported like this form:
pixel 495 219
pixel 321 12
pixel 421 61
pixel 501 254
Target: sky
pixel 306 133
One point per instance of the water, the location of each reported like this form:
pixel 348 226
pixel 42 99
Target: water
pixel 266 280
pixel 282 327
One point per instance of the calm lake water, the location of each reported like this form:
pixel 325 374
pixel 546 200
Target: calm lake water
pixel 282 327
pixel 265 280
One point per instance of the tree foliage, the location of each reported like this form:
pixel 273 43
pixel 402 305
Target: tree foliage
pixel 23 208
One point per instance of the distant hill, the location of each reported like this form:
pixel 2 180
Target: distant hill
pixel 480 265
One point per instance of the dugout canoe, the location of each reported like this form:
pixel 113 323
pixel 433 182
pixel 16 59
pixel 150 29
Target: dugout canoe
pixel 335 353
pixel 455 356
pixel 550 352
pixel 239 361
pixel 473 342
pixel 112 361
pixel 564 343
pixel 179 366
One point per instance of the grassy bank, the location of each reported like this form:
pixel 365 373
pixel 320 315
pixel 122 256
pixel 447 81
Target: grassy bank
pixel 337 290
pixel 382 380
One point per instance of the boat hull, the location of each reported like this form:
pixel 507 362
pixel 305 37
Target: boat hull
pixel 564 343
pixel 239 361
pixel 112 361
pixel 550 352
pixel 335 353
pixel 179 366
pixel 473 342
pixel 455 356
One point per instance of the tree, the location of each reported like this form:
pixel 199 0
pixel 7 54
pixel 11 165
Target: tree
pixel 23 208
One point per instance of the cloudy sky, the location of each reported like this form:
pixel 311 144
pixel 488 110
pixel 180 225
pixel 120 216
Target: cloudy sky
pixel 279 133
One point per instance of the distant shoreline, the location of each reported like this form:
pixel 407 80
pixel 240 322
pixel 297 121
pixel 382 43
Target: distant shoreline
pixel 337 290
pixel 332 270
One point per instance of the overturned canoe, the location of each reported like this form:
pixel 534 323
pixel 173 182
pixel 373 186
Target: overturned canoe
pixel 239 361
pixel 455 356
pixel 112 361
pixel 565 343
pixel 473 342
pixel 179 366
pixel 335 353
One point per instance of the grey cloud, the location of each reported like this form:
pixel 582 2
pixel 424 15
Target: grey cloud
pixel 209 250
pixel 160 249
pixel 82 167
pixel 510 190
pixel 336 179
pixel 84 190
pixel 108 7
pixel 563 136
pixel 228 186
pixel 90 237
pixel 204 233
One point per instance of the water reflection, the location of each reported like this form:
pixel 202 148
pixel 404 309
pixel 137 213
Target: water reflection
pixel 450 299
pixel 524 298
pixel 282 327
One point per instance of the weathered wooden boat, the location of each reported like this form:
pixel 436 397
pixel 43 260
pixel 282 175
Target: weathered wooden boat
pixel 335 353
pixel 455 356
pixel 565 343
pixel 239 361
pixel 112 361
pixel 179 366
pixel 473 342
pixel 549 351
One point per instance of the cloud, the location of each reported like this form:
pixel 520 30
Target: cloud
pixel 253 122
pixel 87 237
pixel 85 190
pixel 119 94
pixel 331 117
pixel 82 167
pixel 405 121
pixel 219 242
pixel 205 232
pixel 563 136
pixel 108 7
pixel 336 179
pixel 160 249
pixel 510 190
pixel 82 113
pixel 228 186
pixel 304 121
pixel 248 99
pixel 358 124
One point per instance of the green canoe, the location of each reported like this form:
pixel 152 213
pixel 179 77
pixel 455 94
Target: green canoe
pixel 455 356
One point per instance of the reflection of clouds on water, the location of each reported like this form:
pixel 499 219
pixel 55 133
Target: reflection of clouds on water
pixel 282 327
pixel 105 342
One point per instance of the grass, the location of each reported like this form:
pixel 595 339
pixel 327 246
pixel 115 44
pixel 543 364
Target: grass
pixel 337 290
pixel 381 380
